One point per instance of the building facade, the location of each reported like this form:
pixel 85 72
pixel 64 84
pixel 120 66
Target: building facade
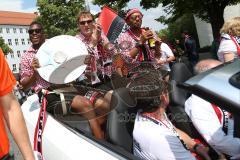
pixel 14 31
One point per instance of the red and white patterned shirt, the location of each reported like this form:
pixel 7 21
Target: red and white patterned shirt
pixel 100 58
pixel 131 40
pixel 26 69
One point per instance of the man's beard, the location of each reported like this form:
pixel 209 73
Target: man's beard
pixel 136 27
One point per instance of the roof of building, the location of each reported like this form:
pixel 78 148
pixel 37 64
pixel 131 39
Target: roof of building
pixel 16 18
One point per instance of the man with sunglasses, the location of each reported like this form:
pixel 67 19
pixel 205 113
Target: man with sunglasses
pixel 29 64
pixel 94 105
pixel 138 39
pixel 91 34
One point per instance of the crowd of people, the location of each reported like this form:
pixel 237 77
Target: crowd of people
pixel 155 137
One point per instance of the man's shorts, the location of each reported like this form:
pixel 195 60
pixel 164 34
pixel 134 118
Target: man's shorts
pixel 60 102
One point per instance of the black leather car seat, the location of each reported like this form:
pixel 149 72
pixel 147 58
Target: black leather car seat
pixel 179 73
pixel 120 121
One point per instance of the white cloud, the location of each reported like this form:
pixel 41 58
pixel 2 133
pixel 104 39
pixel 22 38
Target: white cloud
pixel 15 5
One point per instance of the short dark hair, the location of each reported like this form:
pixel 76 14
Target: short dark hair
pixel 146 88
pixel 81 13
pixel 186 32
pixel 36 23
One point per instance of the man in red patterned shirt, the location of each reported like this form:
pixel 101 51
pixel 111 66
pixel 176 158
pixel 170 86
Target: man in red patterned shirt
pixel 94 105
pixel 93 37
pixel 29 64
pixel 137 39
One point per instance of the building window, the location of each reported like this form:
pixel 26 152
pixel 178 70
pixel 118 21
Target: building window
pixel 21 31
pixel 12 54
pixel 26 30
pixel 14 30
pixel 1 30
pixel 7 30
pixel 9 42
pixel 14 67
pixel 28 41
pixel 18 53
pixel 23 41
pixel 16 42
pixel 24 51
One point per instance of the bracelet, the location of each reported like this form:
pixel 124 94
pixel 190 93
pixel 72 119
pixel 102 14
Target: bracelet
pixel 138 45
pixel 196 146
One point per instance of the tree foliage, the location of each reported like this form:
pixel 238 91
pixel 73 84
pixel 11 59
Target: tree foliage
pixel 207 10
pixel 185 22
pixel 6 49
pixel 116 5
pixel 58 16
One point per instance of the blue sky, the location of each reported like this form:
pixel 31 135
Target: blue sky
pixel 28 3
pixel 30 6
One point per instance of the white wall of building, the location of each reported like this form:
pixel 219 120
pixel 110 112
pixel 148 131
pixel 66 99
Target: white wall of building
pixel 205 30
pixel 19 38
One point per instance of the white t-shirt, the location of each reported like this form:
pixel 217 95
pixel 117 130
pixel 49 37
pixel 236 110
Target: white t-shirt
pixel 157 142
pixel 226 46
pixel 208 125
pixel 166 52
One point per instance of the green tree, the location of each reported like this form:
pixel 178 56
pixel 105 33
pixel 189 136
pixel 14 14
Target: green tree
pixel 116 5
pixel 185 22
pixel 59 16
pixel 174 29
pixel 208 10
pixel 6 49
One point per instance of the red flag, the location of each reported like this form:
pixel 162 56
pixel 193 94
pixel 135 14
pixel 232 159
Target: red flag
pixel 111 23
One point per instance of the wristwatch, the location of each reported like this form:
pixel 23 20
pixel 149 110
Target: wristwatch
pixel 196 146
pixel 138 45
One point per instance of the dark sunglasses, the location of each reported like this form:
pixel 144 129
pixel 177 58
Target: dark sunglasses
pixel 31 31
pixel 84 22
pixel 135 17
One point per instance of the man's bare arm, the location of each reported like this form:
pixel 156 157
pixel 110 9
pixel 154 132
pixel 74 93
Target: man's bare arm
pixel 14 118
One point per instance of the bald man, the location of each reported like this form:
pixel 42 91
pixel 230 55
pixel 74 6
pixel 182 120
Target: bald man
pixel 213 123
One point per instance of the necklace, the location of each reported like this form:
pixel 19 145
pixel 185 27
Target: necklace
pixel 167 125
pixel 134 35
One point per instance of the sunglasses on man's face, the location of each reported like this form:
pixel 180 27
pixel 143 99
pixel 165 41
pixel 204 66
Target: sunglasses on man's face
pixel 84 22
pixel 31 31
pixel 134 17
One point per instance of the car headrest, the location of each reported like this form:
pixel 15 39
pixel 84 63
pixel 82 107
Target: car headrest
pixel 121 100
pixel 179 73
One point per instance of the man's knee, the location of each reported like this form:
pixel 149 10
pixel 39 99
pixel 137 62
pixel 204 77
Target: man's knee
pixel 79 102
pixel 108 96
pixel 102 106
